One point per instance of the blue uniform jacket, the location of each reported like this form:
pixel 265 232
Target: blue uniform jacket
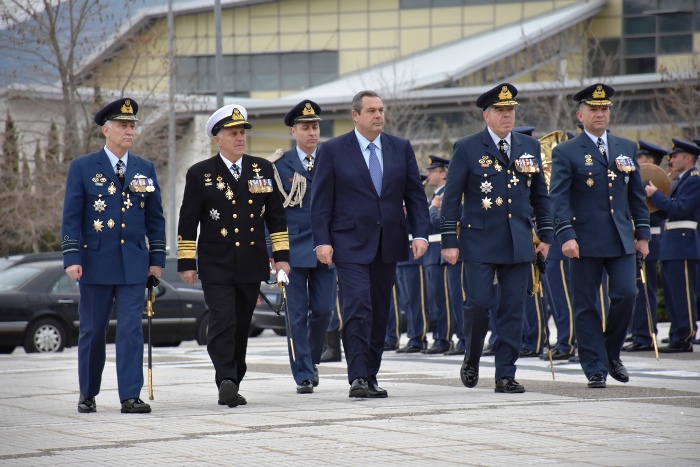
pixel 301 249
pixel 594 201
pixel 682 205
pixel 105 226
pixel 346 211
pixel 496 224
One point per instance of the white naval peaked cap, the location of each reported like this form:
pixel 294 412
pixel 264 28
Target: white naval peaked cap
pixel 227 116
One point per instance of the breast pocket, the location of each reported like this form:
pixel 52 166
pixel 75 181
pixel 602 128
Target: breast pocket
pixel 590 178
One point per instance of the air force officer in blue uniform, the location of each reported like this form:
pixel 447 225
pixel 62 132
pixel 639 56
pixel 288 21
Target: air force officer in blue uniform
pixel 499 173
pixel 111 209
pixel 680 244
pixel 311 289
pixel 601 220
pixel 363 180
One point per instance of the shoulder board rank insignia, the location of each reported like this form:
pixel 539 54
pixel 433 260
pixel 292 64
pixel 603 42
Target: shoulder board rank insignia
pixel 527 164
pixel 694 173
pixel 625 164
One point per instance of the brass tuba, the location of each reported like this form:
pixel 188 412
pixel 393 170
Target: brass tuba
pixel 547 143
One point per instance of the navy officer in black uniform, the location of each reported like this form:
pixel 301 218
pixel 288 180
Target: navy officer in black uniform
pixel 230 197
pixel 601 220
pixel 499 173
pixel 311 290
pixel 112 208
pixel 680 244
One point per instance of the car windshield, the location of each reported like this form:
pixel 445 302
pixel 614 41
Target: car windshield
pixel 14 278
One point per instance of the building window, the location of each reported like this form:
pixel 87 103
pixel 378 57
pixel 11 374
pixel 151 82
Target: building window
pixel 242 74
pixel 656 27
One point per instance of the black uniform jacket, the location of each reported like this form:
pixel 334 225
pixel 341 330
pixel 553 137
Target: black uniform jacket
pixel 231 216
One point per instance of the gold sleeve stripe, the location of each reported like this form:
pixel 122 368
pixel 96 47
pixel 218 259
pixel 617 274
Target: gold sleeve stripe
pixel 280 241
pixel 186 249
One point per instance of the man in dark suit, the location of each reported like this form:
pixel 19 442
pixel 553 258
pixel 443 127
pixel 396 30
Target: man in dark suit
pixel 311 290
pixel 601 221
pixel 231 198
pixel 499 174
pixel 113 233
pixel 680 244
pixel 363 180
pixel 639 327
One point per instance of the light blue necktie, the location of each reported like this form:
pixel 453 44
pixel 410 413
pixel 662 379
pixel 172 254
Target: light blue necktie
pixel 375 169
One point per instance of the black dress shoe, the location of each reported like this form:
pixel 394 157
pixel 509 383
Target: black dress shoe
pixel 408 349
pixel 305 387
pixel 135 405
pixel 509 385
pixel 433 351
pixel 556 355
pixel 454 352
pixel 240 400
pixel 388 347
pixel 315 379
pixel 359 388
pixel 618 371
pixel 87 404
pixel 676 347
pixel 469 373
pixel 665 340
pixel 228 392
pixel 524 353
pixel 375 391
pixel 637 347
pixel 488 351
pixel 629 338
pixel 596 381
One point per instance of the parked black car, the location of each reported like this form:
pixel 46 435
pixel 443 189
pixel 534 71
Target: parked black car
pixel 264 317
pixel 39 310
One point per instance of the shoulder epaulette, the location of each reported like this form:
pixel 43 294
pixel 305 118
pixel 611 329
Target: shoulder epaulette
pixel 275 156
pixel 694 173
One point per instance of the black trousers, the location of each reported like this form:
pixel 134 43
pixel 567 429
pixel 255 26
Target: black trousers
pixel 230 313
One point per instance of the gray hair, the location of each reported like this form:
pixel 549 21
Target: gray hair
pixel 357 100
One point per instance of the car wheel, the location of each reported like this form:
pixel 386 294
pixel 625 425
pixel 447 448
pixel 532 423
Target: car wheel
pixel 6 349
pixel 254 332
pixel 280 332
pixel 45 335
pixel 202 330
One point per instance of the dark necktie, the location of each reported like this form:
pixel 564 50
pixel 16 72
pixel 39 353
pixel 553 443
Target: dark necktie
pixel 309 162
pixel 601 148
pixel 121 170
pixel 236 171
pixel 503 148
pixel 375 169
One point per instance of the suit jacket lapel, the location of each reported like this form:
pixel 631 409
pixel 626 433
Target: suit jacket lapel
pixel 491 149
pixel 591 148
pixel 296 165
pixel 132 169
pixel 224 172
pixel 356 157
pixel 106 168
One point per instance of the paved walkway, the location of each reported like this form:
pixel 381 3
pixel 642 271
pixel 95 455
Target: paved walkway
pixel 429 418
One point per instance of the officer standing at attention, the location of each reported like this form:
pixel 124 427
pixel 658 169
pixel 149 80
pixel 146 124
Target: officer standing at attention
pixel 500 175
pixel 680 244
pixel 112 208
pixel 639 327
pixel 230 198
pixel 310 293
pixel 436 268
pixel 601 220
